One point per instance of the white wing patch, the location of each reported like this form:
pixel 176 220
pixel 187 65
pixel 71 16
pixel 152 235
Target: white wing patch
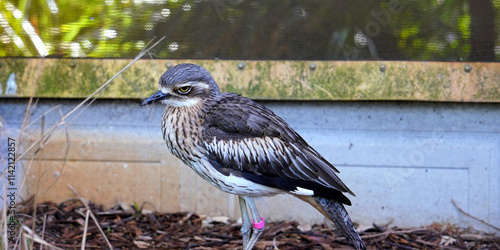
pixel 303 191
pixel 232 184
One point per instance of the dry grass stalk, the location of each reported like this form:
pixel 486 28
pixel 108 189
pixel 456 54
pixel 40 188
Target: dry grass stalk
pixel 26 234
pixel 85 229
pixel 33 236
pixel 87 101
pixel 85 202
pixel 473 217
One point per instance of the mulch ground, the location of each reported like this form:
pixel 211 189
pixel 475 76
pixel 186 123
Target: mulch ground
pixel 63 225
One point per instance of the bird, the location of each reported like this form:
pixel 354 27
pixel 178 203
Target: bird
pixel 244 148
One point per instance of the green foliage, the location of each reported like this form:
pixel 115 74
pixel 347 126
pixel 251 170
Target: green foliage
pixel 341 29
pixel 137 207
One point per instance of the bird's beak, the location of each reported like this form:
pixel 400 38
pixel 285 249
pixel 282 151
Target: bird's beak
pixel 158 96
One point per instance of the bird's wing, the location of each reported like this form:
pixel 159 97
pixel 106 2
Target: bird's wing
pixel 240 134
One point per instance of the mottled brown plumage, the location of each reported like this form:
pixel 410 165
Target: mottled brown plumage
pixel 243 148
pixel 285 155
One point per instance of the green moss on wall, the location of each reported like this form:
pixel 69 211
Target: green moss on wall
pixel 284 80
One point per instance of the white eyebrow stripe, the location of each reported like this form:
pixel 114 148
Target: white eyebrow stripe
pixel 165 90
pixel 188 84
pixel 195 84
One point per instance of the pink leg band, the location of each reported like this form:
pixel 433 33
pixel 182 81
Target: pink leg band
pixel 259 225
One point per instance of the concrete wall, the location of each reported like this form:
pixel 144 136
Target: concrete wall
pixel 405 161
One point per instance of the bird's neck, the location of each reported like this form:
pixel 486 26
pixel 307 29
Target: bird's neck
pixel 181 126
pixel 193 113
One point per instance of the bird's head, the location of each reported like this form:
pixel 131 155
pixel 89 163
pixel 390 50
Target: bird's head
pixel 184 85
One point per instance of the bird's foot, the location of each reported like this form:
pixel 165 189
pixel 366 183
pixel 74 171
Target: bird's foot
pixel 255 236
pixel 258 229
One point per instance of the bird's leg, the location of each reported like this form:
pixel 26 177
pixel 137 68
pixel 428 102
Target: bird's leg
pixel 258 223
pixel 245 225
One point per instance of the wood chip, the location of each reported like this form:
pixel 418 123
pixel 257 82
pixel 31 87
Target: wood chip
pixel 184 230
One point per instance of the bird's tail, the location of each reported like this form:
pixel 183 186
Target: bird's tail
pixel 339 216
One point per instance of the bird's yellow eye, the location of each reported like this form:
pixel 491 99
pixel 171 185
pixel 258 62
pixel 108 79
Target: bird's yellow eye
pixel 184 89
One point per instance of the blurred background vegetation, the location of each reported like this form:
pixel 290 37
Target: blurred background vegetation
pixel 436 30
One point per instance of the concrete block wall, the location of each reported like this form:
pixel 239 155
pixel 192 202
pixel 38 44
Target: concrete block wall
pixel 405 161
